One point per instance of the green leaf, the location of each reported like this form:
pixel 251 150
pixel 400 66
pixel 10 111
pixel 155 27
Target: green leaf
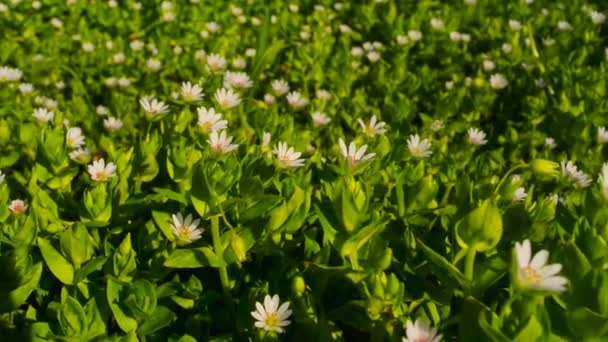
pixel 160 318
pixel 481 229
pixel 19 295
pixel 59 266
pixel 533 331
pixel 451 271
pixel 72 318
pixel 194 258
pixel 115 297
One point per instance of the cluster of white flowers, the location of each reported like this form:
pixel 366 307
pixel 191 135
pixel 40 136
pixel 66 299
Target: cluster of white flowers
pixel 571 172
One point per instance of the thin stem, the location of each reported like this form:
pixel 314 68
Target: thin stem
pixel 504 178
pixel 217 246
pixel 469 266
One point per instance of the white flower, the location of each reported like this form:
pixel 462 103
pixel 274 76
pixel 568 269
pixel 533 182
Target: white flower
pixel 603 180
pixel 573 174
pixel 227 98
pixel 112 124
pixel 420 332
pixel 488 65
pixel 550 143
pixel 212 26
pixel 602 135
pixel 419 148
pixel 476 136
pixel 414 35
pixel 353 155
pixel 514 25
pixel 320 119
pixel 43 115
pixel 296 101
pixel 598 18
pixel 520 194
pixel 100 172
pixel 534 273
pixel 465 37
pixel 373 56
pixel 266 139
pixel 191 92
pixel 186 230
pixel 294 8
pixel 74 137
pixel 323 94
pixel 80 155
pixel 239 63
pixel 56 23
pixel 209 120
pixel 101 110
pixel 455 36
pixel 279 87
pixel 26 88
pixel 271 316
pixel 216 62
pixel 153 64
pixel 200 54
pixel 17 207
pixel 374 127
pixel 401 40
pixel 287 156
pixel 269 99
pixel 507 48
pixel 88 47
pixel 563 25
pixel 498 81
pixel 250 52
pixel 168 16
pixel 136 45
pixel 152 106
pixel 123 82
pixel 237 80
pixel 437 125
pixel 2 177
pixel 8 74
pixel 357 51
pixel 221 142
pixel 437 24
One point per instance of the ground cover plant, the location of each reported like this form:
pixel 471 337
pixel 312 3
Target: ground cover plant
pixel 303 171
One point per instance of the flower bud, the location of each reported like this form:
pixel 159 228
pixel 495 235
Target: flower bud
pixel 238 247
pixel 298 286
pixel 543 167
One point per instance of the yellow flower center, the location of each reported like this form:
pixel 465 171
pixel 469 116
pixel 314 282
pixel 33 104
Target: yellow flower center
pixel 100 175
pixel 532 276
pixel 272 320
pixel 183 233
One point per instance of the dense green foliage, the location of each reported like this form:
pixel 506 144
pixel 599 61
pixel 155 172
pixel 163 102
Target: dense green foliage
pixel 459 114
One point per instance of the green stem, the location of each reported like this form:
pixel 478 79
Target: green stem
pixel 217 246
pixel 459 256
pixel 469 266
pixel 504 178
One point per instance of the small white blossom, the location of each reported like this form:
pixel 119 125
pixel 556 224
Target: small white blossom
pixel 279 87
pixel 437 125
pixel 74 137
pixel 271 316
pixel 287 156
pixel 152 106
pixel 602 135
pixel 437 24
pixel 43 115
pixel 221 142
pixel 112 124
pixel 414 35
pixel 101 110
pixel 374 127
pixel 227 98
pixel 17 207
pixel 80 155
pixel 320 119
pixel 520 194
pixel 476 136
pixel 514 25
pixel 353 155
pixel 186 230
pixel 550 143
pixel 498 81
pixel 420 332
pixel 534 273
pixel 26 88
pixel 100 172
pixel 597 18
pixel 571 172
pixel 8 74
pixel 237 80
pixel 419 148
pixel 296 101
pixel 563 25
pixel 191 92
pixel 216 62
pixel 209 120
pixel 153 64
